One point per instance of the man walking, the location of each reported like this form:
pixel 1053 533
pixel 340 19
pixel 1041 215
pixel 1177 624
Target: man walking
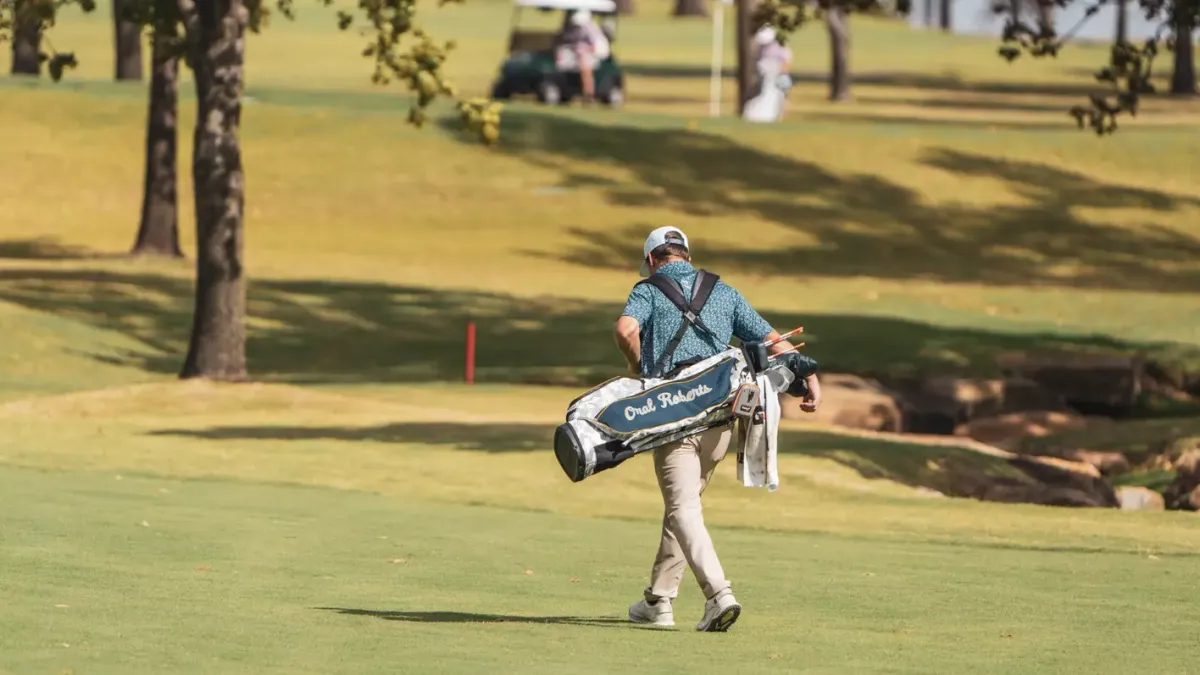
pixel 655 341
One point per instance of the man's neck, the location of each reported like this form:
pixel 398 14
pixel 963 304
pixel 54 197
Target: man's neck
pixel 672 261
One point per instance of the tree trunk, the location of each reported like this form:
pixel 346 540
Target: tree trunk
pixel 838 23
pixel 625 7
pixel 26 40
pixel 928 13
pixel 945 18
pixel 1183 80
pixel 1045 14
pixel 690 8
pixel 158 233
pixel 127 44
pixel 1122 21
pixel 217 349
pixel 745 50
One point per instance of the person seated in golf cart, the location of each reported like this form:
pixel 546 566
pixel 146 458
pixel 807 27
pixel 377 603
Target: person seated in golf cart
pixel 582 45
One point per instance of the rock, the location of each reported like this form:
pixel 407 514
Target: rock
pixel 1044 495
pixel 1183 492
pixel 1081 468
pixel 1187 467
pixel 850 401
pixel 1134 498
pixel 1192 500
pixel 1006 431
pixel 1172 378
pixel 1088 382
pixel 1053 472
pixel 936 405
pixel 1041 480
pixel 1022 395
pixel 982 398
pixel 1107 462
pixel 967 391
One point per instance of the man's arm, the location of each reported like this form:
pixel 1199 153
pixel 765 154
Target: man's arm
pixel 628 334
pixel 628 329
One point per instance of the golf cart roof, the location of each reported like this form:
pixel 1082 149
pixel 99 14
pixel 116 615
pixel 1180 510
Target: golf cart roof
pixel 596 6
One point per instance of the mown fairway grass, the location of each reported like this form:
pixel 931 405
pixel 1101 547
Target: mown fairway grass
pixel 357 511
pixel 132 574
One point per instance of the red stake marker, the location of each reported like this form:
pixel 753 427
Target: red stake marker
pixel 471 352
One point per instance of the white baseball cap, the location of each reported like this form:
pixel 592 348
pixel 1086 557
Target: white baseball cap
pixel 663 235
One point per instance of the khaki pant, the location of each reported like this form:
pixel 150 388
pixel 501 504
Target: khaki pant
pixel 683 469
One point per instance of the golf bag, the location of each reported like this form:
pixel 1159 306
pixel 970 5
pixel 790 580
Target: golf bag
pixel 626 416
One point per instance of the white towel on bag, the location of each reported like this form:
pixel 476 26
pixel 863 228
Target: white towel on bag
pixel 758 460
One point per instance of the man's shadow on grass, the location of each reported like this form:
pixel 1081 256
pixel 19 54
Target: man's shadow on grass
pixel 473 617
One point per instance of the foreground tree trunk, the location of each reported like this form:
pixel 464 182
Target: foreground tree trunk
pixel 1045 13
pixel 838 23
pixel 690 8
pixel 1183 79
pixel 127 45
pixel 945 17
pixel 217 348
pixel 26 40
pixel 1122 21
pixel 158 231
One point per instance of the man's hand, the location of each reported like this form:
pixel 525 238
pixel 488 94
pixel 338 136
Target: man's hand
pixel 813 400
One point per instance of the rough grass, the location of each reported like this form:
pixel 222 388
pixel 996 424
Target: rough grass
pixel 953 239
pixel 951 248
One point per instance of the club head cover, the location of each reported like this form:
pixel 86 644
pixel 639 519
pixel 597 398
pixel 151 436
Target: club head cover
pixel 801 366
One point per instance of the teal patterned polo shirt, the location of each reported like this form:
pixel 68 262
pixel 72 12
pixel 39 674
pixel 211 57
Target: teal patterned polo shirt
pixel 727 314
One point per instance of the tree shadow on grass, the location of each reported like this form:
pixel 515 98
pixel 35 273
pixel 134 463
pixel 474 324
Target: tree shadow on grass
pixel 872 458
pixel 488 437
pixel 897 79
pixel 863 224
pixel 44 248
pixel 907 463
pixel 472 617
pixel 330 332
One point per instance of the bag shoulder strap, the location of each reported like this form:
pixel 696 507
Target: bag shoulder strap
pixel 701 290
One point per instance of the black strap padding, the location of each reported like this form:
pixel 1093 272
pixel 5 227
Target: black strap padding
pixel 702 288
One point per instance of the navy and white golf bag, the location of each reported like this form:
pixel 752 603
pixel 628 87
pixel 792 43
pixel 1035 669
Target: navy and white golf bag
pixel 626 416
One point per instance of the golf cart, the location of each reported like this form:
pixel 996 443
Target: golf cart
pixel 532 66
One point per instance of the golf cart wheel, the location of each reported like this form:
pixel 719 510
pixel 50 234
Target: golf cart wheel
pixel 610 93
pixel 614 97
pixel 500 92
pixel 550 93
